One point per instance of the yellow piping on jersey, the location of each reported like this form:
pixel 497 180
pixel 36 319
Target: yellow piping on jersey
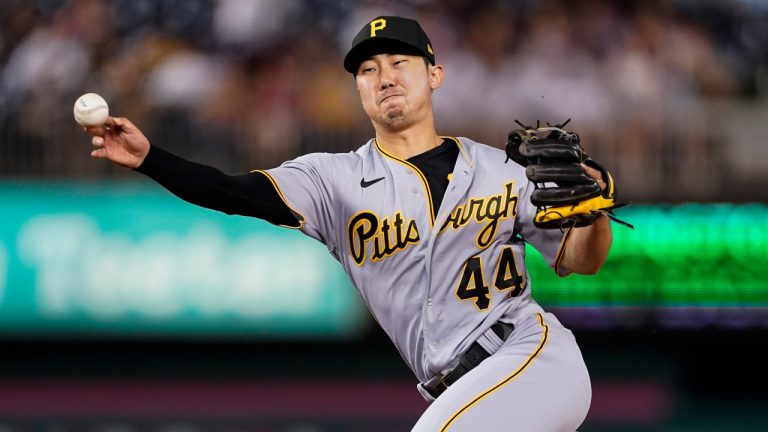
pixel 461 148
pixel 506 380
pixel 280 193
pixel 561 251
pixel 421 176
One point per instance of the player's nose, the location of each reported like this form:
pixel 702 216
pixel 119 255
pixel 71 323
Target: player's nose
pixel 387 78
pixel 385 84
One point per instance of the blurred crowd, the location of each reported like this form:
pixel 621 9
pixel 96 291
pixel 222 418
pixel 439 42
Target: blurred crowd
pixel 244 84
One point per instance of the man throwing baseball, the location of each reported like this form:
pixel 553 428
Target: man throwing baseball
pixel 432 231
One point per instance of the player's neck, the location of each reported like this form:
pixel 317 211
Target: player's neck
pixel 408 143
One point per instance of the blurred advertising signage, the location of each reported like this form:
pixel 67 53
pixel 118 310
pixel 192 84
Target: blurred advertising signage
pixel 683 266
pixel 131 259
pixel 128 259
pixel 685 255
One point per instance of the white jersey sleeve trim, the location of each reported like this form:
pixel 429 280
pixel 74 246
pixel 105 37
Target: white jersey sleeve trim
pixel 282 197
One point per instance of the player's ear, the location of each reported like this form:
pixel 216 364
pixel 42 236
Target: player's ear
pixel 436 75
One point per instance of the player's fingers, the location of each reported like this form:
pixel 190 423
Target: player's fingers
pixel 99 153
pixel 595 174
pixel 97 141
pixel 112 126
pixel 109 122
pixel 95 130
pixel 120 123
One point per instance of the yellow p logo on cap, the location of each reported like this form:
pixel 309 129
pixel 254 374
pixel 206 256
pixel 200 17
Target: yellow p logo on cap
pixel 376 25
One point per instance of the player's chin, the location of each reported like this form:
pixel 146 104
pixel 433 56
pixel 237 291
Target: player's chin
pixel 396 119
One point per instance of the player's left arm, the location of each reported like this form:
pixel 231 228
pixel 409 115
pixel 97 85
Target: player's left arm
pixel 587 247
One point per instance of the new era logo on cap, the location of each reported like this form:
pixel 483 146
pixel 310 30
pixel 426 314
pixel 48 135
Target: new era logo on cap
pixel 388 35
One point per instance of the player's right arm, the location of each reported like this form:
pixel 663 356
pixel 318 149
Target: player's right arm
pixel 253 194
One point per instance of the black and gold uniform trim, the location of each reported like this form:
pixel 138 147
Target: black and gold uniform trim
pixel 422 177
pixel 561 251
pixel 299 217
pixel 462 150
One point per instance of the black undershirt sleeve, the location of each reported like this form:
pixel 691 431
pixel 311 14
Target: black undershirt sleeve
pixel 251 194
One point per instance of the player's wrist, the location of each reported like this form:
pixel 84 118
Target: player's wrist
pixel 153 157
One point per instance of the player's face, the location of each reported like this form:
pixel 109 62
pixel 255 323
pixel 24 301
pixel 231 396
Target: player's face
pixel 396 89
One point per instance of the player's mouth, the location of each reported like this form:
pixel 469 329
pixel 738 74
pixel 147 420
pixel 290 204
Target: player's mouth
pixel 388 97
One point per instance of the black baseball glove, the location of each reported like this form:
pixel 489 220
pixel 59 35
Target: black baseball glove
pixel 565 195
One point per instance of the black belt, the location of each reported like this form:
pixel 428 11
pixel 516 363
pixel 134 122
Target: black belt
pixel 473 357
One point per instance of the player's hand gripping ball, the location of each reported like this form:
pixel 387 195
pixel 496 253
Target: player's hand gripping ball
pixel 91 110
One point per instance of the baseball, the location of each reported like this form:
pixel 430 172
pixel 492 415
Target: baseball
pixel 91 110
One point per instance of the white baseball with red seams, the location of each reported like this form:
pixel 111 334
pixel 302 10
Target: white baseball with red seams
pixel 91 110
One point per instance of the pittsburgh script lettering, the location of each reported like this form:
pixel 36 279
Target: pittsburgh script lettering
pixel 493 209
pixel 387 236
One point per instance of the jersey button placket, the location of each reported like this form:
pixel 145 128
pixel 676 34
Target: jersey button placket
pixel 416 186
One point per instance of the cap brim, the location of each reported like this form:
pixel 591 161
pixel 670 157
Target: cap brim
pixel 380 45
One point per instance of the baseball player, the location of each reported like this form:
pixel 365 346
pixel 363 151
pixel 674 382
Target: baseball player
pixel 432 230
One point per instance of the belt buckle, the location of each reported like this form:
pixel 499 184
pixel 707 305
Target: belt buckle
pixel 436 385
pixel 439 383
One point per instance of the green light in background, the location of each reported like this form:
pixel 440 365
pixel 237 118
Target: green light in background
pixel 685 255
pixel 105 259
pixel 133 260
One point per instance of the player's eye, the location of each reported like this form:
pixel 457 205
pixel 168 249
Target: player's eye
pixel 367 69
pixel 397 62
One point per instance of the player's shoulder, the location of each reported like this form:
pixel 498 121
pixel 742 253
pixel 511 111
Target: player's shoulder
pixel 480 151
pixel 330 161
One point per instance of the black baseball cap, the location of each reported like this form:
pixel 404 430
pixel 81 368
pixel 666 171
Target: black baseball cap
pixel 391 35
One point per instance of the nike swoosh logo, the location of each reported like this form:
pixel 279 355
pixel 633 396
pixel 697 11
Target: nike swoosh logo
pixel 364 183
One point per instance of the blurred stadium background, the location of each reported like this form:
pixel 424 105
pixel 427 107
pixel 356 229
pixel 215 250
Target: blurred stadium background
pixel 124 309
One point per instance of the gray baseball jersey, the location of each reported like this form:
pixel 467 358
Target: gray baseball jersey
pixel 434 282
